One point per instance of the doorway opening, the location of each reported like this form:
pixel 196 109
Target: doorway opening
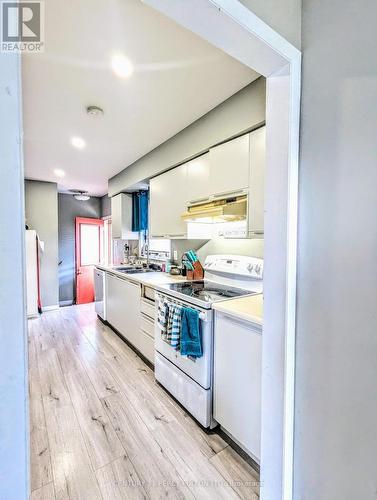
pixel 230 26
pixel 89 252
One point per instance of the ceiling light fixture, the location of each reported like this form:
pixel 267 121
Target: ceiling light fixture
pixel 121 66
pixel 94 111
pixel 78 142
pixel 80 195
pixel 59 172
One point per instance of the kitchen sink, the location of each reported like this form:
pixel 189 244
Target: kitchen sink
pixel 135 271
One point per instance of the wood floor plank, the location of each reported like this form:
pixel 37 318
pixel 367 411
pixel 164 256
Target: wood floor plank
pixel 120 481
pixel 158 474
pixel 101 440
pixel 178 445
pixel 95 367
pixel 46 492
pixel 236 471
pixel 74 476
pixel 42 334
pixel 40 460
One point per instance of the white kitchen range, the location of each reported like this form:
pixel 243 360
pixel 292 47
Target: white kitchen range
pixel 191 380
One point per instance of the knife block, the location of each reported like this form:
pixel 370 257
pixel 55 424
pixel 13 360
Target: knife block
pixel 197 273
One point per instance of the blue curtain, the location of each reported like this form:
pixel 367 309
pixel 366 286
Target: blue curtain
pixel 140 211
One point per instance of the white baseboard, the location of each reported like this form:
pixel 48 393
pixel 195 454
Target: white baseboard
pixel 50 308
pixel 64 303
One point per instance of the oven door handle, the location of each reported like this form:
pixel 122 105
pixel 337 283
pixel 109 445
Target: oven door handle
pixel 203 315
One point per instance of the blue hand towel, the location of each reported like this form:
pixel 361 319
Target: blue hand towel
pixel 191 342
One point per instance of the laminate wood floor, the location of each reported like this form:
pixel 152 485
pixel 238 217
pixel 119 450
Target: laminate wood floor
pixel 101 428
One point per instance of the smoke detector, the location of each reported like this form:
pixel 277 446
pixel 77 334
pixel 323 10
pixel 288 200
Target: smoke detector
pixel 80 195
pixel 94 111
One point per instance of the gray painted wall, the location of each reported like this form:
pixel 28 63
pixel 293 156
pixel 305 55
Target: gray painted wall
pixel 283 16
pixel 68 209
pixel 14 431
pixel 41 209
pixel 336 384
pixel 105 206
pixel 244 110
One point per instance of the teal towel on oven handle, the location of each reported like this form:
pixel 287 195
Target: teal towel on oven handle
pixel 191 342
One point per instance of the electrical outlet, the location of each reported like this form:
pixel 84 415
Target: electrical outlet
pixel 175 254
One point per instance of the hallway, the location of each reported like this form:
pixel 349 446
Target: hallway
pixel 102 428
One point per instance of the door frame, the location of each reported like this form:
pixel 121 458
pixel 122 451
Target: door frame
pixel 78 221
pixel 230 26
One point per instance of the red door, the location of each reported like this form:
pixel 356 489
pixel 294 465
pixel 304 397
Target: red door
pixel 88 254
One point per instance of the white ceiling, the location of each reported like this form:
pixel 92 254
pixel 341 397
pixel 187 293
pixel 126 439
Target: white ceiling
pixel 178 77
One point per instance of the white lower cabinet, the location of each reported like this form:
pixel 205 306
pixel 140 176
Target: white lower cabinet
pixel 146 346
pixel 237 380
pixel 123 307
pixel 146 340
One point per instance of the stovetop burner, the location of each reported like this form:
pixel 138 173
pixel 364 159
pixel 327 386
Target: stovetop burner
pixel 206 291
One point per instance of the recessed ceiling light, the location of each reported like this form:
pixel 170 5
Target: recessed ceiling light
pixel 59 172
pixel 78 142
pixel 121 66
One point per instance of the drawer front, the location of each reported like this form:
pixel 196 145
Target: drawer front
pixel 146 346
pixel 149 293
pixel 147 307
pixel 147 325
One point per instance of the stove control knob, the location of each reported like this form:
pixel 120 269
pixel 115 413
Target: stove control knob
pixel 258 268
pixel 250 268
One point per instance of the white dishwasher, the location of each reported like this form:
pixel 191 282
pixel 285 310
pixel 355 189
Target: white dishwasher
pixel 123 307
pixel 237 380
pixel 100 293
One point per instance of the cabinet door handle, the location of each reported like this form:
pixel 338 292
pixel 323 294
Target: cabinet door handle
pixel 228 193
pixel 158 236
pixel 198 200
pixel 177 235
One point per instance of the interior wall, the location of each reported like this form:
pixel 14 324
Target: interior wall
pixel 336 382
pixel 244 110
pixel 247 247
pixel 105 206
pixel 14 427
pixel 68 209
pixel 284 16
pixel 41 209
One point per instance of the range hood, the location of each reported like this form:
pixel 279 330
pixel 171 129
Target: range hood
pixel 225 210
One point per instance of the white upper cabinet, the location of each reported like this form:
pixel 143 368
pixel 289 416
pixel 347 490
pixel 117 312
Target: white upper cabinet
pixel 198 179
pixel 168 201
pixel 229 166
pixel 121 217
pixel 256 188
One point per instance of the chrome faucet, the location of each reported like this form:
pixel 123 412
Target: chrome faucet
pixel 126 253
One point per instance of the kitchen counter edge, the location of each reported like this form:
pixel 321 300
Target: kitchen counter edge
pixel 249 309
pixel 151 279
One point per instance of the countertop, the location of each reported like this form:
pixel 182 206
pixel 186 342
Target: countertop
pixel 246 308
pixel 154 278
